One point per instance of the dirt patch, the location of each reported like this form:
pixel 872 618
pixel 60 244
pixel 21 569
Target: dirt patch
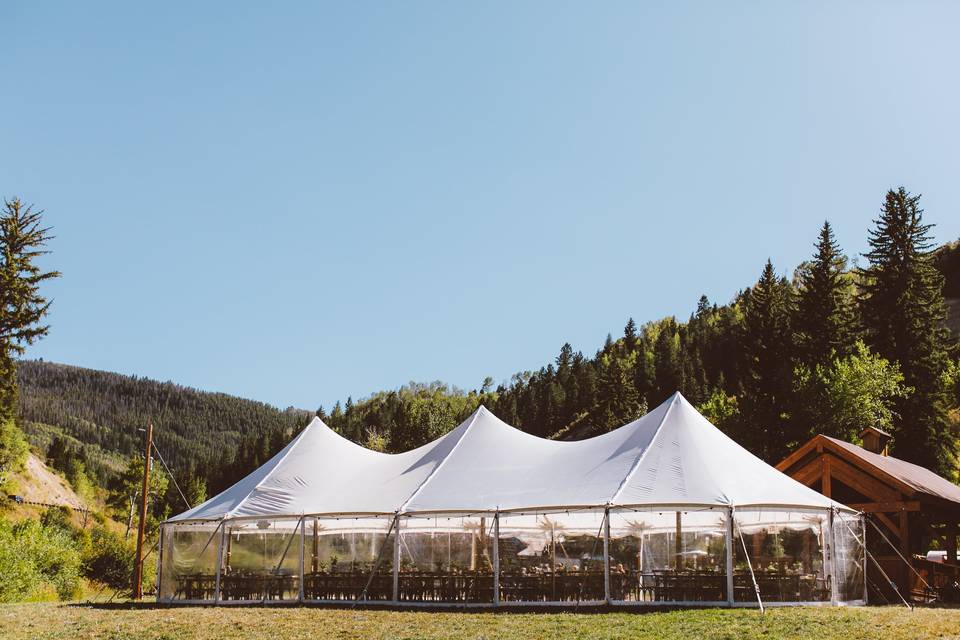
pixel 39 484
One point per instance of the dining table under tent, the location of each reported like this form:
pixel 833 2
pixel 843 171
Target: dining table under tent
pixel 666 510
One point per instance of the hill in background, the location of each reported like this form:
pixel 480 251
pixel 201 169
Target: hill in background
pixel 99 413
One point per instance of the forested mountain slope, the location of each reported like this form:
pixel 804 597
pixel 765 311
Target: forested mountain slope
pixel 103 411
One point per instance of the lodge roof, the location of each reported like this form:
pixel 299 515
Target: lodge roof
pixel 911 478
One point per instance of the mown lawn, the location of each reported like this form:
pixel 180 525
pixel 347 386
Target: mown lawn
pixel 145 622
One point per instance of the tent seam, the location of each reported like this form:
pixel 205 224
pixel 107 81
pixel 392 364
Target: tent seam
pixel 293 446
pixel 429 477
pixel 642 456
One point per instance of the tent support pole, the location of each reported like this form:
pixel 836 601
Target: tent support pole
pixel 753 576
pixel 496 558
pixel 834 582
pixel 729 554
pixel 606 555
pixel 863 530
pixel 303 536
pixel 396 559
pixel 223 535
pixel 160 561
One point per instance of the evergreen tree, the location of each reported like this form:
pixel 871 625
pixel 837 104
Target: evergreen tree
pixel 22 307
pixel 824 319
pixel 768 373
pixel 630 339
pixel 668 367
pixel 903 311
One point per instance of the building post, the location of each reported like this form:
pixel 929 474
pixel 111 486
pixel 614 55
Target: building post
pixel 144 491
pixel 729 556
pixel 496 558
pixel 606 555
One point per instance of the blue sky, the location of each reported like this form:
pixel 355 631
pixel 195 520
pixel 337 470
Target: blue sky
pixel 308 201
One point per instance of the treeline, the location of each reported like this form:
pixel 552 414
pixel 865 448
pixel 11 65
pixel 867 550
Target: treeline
pixel 829 350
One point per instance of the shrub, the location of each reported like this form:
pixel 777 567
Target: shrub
pixel 13 453
pixel 110 559
pixel 37 562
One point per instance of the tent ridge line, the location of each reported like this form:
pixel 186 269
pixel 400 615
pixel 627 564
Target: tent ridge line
pixel 642 456
pixel 293 445
pixel 430 475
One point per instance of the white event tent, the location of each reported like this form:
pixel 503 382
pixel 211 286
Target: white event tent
pixel 664 510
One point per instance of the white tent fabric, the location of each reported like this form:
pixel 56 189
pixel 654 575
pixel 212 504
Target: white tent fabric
pixel 671 456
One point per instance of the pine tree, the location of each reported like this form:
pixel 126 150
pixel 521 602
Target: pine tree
pixel 767 347
pixel 22 307
pixel 903 311
pixel 824 319
pixel 630 339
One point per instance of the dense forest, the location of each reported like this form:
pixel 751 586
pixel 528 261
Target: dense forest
pixel 829 349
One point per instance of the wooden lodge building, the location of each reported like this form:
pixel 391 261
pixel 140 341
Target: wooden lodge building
pixel 915 509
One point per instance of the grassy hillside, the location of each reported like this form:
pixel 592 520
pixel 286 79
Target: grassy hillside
pixel 54 622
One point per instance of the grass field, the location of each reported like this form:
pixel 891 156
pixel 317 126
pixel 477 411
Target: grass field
pixel 82 621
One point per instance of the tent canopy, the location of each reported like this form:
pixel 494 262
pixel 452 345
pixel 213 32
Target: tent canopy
pixel 671 456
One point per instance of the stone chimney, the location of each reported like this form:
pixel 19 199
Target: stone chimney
pixel 875 440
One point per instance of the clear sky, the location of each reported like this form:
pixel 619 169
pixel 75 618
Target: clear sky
pixel 297 202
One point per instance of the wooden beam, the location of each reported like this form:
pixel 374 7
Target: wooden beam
pixel 802 451
pixel 905 544
pixel 809 474
pixel 861 481
pixel 951 533
pixel 886 507
pixel 825 485
pixel 849 456
pixel 886 521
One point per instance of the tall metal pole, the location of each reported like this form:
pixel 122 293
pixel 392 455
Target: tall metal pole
pixel 496 558
pixel 606 555
pixel 729 557
pixel 396 559
pixel 834 565
pixel 138 567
